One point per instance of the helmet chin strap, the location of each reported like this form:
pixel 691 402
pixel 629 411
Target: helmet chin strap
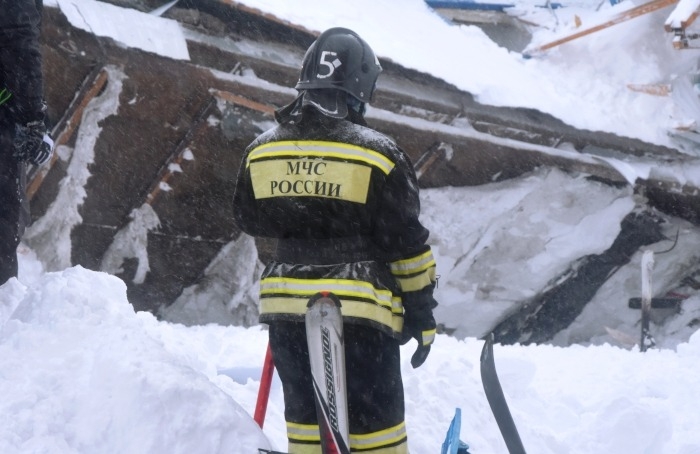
pixel 356 105
pixel 356 111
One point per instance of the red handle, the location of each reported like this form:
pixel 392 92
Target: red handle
pixel 264 391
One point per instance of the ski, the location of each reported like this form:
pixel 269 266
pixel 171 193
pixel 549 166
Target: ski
pixel 497 400
pixel 324 334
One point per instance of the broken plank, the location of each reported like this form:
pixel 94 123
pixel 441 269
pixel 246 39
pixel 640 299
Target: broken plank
pixel 657 303
pixel 242 101
pixel 178 155
pixel 65 128
pixel 682 15
pixel 651 89
pixel 619 18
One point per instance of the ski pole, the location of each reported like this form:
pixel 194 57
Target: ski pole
pixel 264 391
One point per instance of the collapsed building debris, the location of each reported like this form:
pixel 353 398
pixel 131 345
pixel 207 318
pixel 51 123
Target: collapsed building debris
pixel 173 148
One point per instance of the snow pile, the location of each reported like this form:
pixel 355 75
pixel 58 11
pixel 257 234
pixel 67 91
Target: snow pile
pixel 126 26
pixel 82 373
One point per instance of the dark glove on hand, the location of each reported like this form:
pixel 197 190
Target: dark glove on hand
pixel 419 323
pixel 33 143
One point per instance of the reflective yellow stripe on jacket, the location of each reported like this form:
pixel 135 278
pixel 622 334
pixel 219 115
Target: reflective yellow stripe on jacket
pixel 282 295
pixel 320 149
pixel 414 273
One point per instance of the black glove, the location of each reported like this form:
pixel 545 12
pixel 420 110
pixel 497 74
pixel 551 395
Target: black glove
pixel 419 323
pixel 33 143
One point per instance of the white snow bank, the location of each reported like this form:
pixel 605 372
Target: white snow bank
pixel 127 26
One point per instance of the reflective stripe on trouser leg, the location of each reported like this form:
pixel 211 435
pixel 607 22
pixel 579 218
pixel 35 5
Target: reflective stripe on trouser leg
pixel 375 389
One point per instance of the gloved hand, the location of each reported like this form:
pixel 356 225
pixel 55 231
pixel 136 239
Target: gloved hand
pixel 419 323
pixel 33 143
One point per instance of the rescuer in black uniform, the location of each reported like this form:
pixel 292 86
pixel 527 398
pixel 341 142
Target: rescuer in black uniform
pixel 342 200
pixel 23 133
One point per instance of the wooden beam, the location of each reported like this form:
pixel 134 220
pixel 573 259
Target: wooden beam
pixel 245 102
pixel 619 18
pixel 429 158
pixel 682 15
pixel 651 89
pixel 178 155
pixel 65 128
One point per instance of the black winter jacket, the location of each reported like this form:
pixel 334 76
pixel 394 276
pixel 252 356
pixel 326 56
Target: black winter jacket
pixel 342 200
pixel 20 61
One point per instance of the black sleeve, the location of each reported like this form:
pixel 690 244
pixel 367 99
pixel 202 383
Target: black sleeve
pixel 20 59
pixel 397 228
pixel 400 233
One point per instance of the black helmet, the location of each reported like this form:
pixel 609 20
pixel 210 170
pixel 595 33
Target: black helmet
pixel 340 59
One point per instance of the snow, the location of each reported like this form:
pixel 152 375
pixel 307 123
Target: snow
pixel 584 82
pixel 126 26
pixel 82 372
pixel 682 13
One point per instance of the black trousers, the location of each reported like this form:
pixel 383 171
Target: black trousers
pixel 373 372
pixel 14 212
